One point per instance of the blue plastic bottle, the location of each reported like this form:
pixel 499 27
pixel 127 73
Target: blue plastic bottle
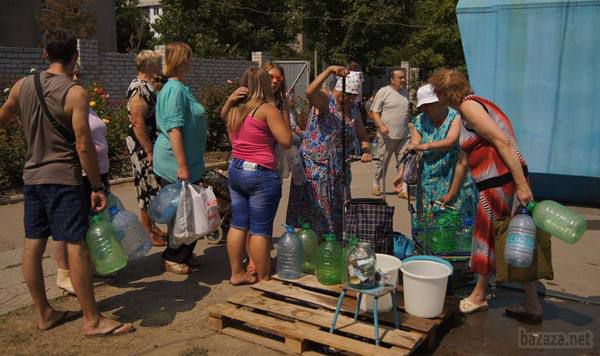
pixel 130 233
pixel 163 207
pixel 520 242
pixel 290 255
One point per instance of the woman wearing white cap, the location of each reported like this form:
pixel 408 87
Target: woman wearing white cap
pixel 435 132
pixel 320 200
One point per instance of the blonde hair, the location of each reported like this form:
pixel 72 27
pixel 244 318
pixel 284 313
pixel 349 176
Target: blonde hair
pixel 258 83
pixel 281 93
pixel 146 58
pixel 451 84
pixel 176 54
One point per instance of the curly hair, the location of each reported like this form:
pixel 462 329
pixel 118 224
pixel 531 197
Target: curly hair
pixel 451 84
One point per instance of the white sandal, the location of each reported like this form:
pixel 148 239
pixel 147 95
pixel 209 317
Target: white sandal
pixel 468 307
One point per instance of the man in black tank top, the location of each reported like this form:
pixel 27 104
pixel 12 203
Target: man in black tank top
pixel 54 113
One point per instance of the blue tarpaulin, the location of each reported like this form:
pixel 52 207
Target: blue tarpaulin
pixel 539 61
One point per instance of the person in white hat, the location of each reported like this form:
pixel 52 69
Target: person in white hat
pixel 435 132
pixel 390 112
pixel 320 200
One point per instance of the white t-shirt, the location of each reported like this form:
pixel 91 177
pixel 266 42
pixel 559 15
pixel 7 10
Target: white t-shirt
pixel 393 107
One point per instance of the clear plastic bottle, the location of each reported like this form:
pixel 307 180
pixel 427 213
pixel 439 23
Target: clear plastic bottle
pixel 360 267
pixel 107 255
pixel 163 207
pixel 289 255
pixel 557 220
pixel 310 245
pixel 374 145
pixel 465 236
pixel 112 201
pixel 329 261
pixel 520 241
pixel 130 233
pixel 296 166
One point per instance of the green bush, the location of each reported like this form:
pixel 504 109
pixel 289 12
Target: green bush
pixel 212 97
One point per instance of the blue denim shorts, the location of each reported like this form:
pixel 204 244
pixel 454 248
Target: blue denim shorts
pixel 255 195
pixel 57 210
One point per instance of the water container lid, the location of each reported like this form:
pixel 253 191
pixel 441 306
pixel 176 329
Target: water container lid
pixel 305 225
pixel 522 210
pixel 329 237
pixel 468 221
pixel 531 205
pixel 97 218
pixel 353 240
pixel 113 210
pixel 288 228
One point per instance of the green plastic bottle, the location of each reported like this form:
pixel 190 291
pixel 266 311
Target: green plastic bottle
pixel 107 255
pixel 329 261
pixel 310 245
pixel 557 220
pixel 353 241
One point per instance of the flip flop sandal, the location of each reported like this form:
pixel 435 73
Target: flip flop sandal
pixel 120 329
pixel 519 313
pixel 65 317
pixel 177 268
pixel 468 307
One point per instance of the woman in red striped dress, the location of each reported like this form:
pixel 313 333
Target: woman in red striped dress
pixel 489 149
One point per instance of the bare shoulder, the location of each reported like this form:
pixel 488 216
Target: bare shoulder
pixel 267 110
pixel 76 94
pixel 472 111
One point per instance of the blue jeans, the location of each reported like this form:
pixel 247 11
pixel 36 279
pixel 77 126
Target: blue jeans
pixel 255 195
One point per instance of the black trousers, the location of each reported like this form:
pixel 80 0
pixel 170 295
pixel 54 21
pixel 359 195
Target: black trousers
pixel 184 252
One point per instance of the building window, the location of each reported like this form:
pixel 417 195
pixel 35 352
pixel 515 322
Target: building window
pixel 156 11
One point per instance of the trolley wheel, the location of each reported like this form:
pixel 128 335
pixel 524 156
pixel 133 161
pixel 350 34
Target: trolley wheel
pixel 215 237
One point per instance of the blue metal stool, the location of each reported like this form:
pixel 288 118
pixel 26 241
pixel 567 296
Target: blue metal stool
pixel 376 293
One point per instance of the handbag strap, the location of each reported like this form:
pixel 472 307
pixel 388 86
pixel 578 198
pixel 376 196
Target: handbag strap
pixel 68 135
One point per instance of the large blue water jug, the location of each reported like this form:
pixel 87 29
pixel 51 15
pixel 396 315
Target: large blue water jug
pixel 163 207
pixel 290 255
pixel 130 233
pixel 520 242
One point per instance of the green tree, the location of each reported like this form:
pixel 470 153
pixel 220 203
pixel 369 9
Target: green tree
pixel 436 43
pixel 225 28
pixel 133 29
pixel 75 15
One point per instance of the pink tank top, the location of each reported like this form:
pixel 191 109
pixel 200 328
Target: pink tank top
pixel 254 142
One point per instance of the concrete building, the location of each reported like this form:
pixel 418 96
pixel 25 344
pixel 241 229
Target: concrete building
pixel 152 10
pixel 19 27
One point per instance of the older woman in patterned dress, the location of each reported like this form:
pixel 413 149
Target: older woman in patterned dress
pixel 141 101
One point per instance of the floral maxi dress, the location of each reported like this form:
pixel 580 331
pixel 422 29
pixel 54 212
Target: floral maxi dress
pixel 320 200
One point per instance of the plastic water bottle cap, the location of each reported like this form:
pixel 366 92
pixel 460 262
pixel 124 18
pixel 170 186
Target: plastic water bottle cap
pixel 97 218
pixel 522 210
pixel 289 228
pixel 113 210
pixel 305 225
pixel 531 205
pixel 468 221
pixel 329 237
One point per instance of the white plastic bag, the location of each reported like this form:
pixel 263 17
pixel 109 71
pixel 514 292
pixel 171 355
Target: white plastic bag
pixel 197 215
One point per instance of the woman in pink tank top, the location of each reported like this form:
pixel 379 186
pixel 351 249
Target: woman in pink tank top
pixel 489 149
pixel 254 125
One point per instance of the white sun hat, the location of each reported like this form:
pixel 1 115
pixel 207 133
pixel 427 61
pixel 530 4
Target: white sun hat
pixel 426 95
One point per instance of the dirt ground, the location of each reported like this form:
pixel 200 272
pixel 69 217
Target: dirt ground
pixel 168 311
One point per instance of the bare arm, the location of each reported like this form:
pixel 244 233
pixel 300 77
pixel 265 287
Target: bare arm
pixel 237 94
pixel 10 109
pixel 479 119
pixel 139 109
pixel 176 138
pixel 447 143
pixel 314 94
pixel 376 116
pixel 363 136
pixel 76 104
pixel 462 167
pixel 280 127
pixel 415 137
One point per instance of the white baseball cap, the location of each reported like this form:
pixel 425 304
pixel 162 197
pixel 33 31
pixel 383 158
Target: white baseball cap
pixel 426 95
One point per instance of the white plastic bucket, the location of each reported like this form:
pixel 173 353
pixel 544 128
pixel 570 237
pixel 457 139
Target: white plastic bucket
pixel 388 265
pixel 425 279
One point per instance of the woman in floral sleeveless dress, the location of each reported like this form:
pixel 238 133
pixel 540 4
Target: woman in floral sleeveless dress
pixel 320 200
pixel 489 149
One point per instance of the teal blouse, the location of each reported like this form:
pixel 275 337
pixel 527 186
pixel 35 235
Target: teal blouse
pixel 176 107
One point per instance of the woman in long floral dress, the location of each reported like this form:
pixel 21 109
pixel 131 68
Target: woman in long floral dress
pixel 320 200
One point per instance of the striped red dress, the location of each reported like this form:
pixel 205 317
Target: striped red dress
pixel 494 202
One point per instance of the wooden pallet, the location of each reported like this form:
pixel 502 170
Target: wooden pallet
pixel 295 317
